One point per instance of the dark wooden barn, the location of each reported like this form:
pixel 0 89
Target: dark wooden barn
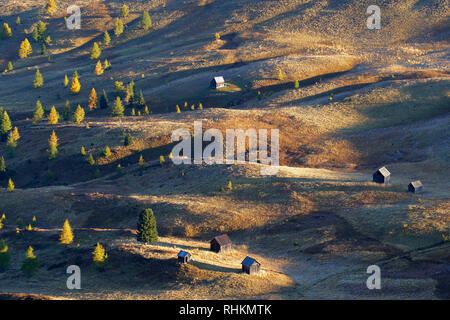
pixel 415 186
pixel 250 265
pixel 382 175
pixel 217 82
pixel 221 244
pixel 184 257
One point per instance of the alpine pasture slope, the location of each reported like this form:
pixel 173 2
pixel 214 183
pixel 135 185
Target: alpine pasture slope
pixel 365 99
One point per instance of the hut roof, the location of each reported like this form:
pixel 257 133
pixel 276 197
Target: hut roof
pixel 248 262
pixel 385 172
pixel 416 184
pixel 183 254
pixel 222 239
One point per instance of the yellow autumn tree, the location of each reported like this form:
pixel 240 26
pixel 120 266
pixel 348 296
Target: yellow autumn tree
pixel 53 116
pixel 99 256
pixel 66 234
pixel 98 68
pixel 93 100
pixel 51 7
pixel 25 49
pixel 75 86
pixel 52 146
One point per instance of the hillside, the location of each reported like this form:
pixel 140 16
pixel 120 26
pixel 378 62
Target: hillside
pixel 365 99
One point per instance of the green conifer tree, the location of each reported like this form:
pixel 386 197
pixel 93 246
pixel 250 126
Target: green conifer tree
pixel 38 112
pixel 106 38
pixel 30 265
pixel 118 109
pixel 118 27
pixel 67 112
pixel 38 79
pixel 146 22
pixel 147 230
pixel 104 102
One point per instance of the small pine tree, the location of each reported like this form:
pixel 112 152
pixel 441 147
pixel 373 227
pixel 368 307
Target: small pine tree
pixel 118 27
pixel 5 123
pixel 296 84
pixel 141 162
pixel 200 106
pixel 98 68
pixel 25 49
pixel 280 75
pixel 15 134
pixel 133 112
pixel 93 100
pixel 10 66
pixel 146 22
pixel 34 221
pixel 51 7
pixel 75 86
pixel 2 165
pixel 11 143
pixel 146 111
pixel 18 21
pixel 147 230
pixel 44 51
pixel 125 11
pixel 128 141
pixel 38 112
pixel 107 152
pixel 53 116
pixel 66 236
pixel 38 79
pixel 178 109
pixel 161 160
pixel 100 257
pixel 11 185
pixel 91 160
pixel 141 102
pixel 106 38
pixel 30 265
pixel 119 169
pixel 6 32
pixel 230 186
pixel 117 110
pixel 5 257
pixel 104 102
pixel 78 115
pixel 52 146
pixel 67 112
pixel 66 80
pixel 95 51
pixel 106 64
pixel 83 151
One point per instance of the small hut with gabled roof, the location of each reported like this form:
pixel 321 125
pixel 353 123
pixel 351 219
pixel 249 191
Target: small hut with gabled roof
pixel 221 243
pixel 250 265
pixel 217 82
pixel 184 257
pixel 415 186
pixel 382 175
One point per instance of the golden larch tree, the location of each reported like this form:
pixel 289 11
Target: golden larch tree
pixel 98 68
pixel 93 100
pixel 66 234
pixel 75 86
pixel 53 116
